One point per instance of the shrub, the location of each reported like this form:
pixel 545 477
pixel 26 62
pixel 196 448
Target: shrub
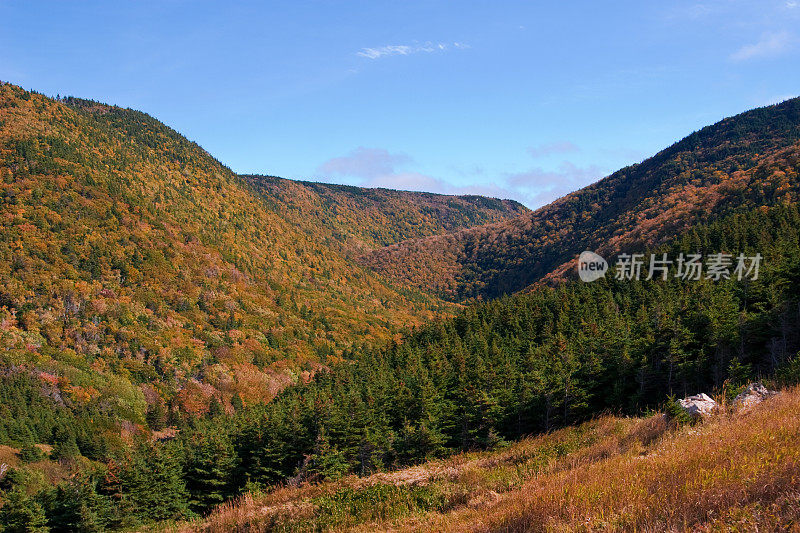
pixel 31 453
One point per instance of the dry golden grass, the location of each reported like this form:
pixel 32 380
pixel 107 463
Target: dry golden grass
pixel 737 472
pixel 470 479
pixel 53 471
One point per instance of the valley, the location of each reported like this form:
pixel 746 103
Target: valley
pixel 187 348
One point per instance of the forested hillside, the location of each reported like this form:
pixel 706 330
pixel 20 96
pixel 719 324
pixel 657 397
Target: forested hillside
pixel 141 274
pixel 532 362
pixel 173 335
pixel 734 472
pixel 497 371
pixel 362 218
pixel 748 160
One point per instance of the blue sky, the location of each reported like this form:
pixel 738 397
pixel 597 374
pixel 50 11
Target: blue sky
pixel 523 100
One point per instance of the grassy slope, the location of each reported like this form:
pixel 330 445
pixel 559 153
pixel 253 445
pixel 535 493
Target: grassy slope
pixel 748 160
pixel 361 218
pixel 739 471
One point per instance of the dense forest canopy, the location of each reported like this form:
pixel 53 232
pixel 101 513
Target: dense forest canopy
pixel 145 274
pixel 497 371
pixel 370 218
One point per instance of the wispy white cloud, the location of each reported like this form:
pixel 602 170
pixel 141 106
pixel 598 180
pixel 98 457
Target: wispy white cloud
pixel 538 186
pixel 364 163
pixel 770 45
pixel 377 167
pixel 556 147
pixel 791 4
pixel 408 49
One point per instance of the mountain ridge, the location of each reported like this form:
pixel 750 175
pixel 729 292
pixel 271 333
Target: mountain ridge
pixel 367 218
pixel 728 164
pixel 174 336
pixel 129 250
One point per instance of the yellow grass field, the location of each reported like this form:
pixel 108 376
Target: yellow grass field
pixel 739 471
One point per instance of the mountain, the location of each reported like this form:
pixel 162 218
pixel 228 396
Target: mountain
pixel 136 264
pixel 743 161
pixel 363 219
pixel 532 362
pixel 498 371
pixel 174 336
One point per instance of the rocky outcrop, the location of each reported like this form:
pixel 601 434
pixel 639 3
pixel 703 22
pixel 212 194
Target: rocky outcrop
pixel 700 405
pixel 755 393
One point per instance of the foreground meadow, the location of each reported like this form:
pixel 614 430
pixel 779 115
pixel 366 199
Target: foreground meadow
pixel 739 471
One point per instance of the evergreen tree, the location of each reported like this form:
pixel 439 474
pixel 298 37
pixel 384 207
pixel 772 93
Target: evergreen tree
pixel 151 480
pixel 210 466
pixel 77 506
pixel 21 513
pixel 326 462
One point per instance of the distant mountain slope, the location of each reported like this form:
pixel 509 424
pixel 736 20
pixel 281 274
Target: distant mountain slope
pixel 369 218
pixel 129 251
pixel 747 160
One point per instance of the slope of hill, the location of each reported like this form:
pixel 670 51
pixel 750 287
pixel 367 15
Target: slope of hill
pixel 736 472
pixel 143 284
pixel 748 160
pixel 498 371
pixel 132 260
pixel 362 218
pixel 531 362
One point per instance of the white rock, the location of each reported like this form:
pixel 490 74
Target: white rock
pixel 754 394
pixel 698 405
